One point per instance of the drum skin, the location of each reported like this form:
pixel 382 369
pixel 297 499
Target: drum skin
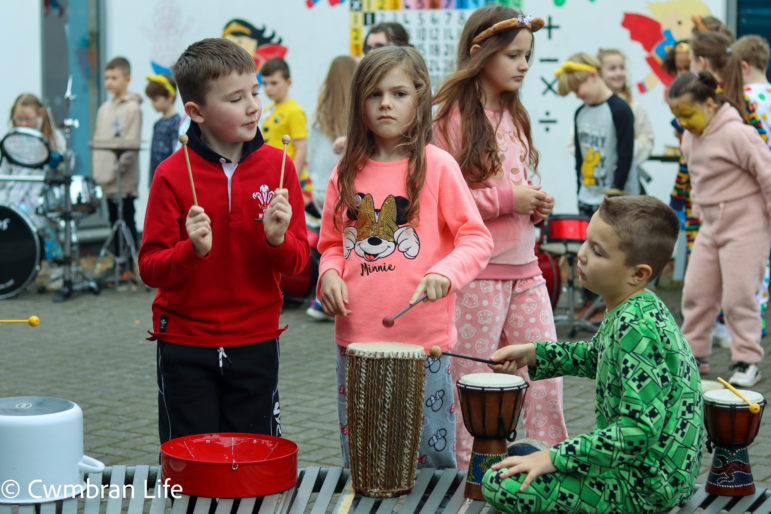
pixel 385 385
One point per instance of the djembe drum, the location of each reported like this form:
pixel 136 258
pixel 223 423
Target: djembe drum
pixel 731 428
pixel 385 385
pixel 490 404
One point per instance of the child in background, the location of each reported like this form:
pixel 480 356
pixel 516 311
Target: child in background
pixel 285 117
pixel 119 120
pixel 481 121
pixel 753 52
pixel 603 139
pixel 645 450
pixel 331 122
pixel 217 264
pixel 387 33
pixel 677 60
pixel 162 91
pixel 399 222
pixel 730 168
pixel 613 72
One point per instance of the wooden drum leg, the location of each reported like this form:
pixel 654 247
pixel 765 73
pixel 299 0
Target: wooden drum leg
pixel 484 453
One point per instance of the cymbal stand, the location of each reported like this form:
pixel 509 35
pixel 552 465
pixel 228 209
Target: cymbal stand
pixel 569 319
pixel 124 238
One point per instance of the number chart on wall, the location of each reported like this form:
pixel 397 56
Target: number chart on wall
pixel 433 26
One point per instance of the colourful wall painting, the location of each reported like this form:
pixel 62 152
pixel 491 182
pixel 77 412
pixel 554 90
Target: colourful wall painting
pixel 669 23
pixel 261 44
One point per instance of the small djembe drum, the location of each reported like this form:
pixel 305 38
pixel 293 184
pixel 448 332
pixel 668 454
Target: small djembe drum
pixel 731 428
pixel 385 385
pixel 490 404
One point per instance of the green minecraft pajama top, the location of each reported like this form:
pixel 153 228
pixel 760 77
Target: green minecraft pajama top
pixel 645 451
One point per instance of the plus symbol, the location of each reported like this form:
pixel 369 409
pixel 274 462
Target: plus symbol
pixel 549 27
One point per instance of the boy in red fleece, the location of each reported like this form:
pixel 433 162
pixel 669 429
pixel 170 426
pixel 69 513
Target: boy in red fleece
pixel 217 264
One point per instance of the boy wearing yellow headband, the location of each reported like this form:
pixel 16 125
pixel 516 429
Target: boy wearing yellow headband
pixel 162 91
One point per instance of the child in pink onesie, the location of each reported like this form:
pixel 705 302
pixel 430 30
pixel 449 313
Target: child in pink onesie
pixel 730 170
pixel 482 122
pixel 398 223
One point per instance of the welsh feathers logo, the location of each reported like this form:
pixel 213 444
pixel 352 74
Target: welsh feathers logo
pixel 263 196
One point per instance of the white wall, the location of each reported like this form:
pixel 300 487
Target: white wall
pixel 21 41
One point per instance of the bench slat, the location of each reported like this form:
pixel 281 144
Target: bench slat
pixel 117 481
pixel 345 500
pixel 246 506
pixel 744 504
pixel 180 505
pixel 324 498
pixel 304 489
pixel 764 507
pixel 70 506
pixel 202 505
pixel 457 498
pixel 421 483
pixel 137 501
pixel 699 496
pixel 92 503
pixel 439 492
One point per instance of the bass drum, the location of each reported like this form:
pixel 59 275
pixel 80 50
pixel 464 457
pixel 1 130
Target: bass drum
pixel 550 270
pixel 19 251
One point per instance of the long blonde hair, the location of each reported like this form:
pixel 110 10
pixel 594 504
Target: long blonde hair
pixel 478 153
pixel 361 142
pixel 332 107
pixel 602 53
pixel 47 126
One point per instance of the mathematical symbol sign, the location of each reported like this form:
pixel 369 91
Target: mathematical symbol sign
pixel 547 120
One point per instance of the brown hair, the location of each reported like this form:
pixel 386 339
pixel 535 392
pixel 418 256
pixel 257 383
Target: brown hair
pixel 119 63
pixel 753 50
pixel 155 89
pixel 646 227
pixel 570 80
pixel 716 48
pixel 276 65
pixel 602 53
pixel 205 61
pixel 712 24
pixel 47 126
pixel 361 142
pixel 478 153
pixel 394 32
pixel 332 106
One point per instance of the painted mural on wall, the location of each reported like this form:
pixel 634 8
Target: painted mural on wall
pixel 261 43
pixel 669 23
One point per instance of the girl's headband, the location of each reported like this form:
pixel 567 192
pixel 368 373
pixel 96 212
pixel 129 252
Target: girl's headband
pixel 569 66
pixel 160 79
pixel 534 24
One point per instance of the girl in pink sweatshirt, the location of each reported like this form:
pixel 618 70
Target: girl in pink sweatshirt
pixel 398 223
pixel 483 124
pixel 730 169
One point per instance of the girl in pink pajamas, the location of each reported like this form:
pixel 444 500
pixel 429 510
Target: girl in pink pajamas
pixel 483 124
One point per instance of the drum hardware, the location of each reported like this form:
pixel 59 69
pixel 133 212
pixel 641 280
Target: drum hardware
pixel 385 391
pixel 490 404
pixel 127 250
pixel 28 148
pixel 388 321
pixel 563 235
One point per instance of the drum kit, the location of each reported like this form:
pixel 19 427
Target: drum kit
pixel 65 199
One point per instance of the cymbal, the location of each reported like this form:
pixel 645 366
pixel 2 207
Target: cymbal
pixel 115 144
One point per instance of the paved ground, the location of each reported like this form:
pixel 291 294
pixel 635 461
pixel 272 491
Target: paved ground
pixel 92 350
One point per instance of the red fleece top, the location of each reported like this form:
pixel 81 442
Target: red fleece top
pixel 231 297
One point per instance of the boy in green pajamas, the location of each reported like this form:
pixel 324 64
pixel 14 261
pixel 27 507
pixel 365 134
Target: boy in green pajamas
pixel 644 454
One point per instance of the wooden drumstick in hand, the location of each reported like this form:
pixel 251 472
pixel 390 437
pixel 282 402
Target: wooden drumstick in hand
pixel 437 352
pixel 183 140
pixel 33 321
pixel 284 139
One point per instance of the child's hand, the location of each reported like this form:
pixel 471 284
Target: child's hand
pixel 198 226
pixel 338 146
pixel 535 465
pixel 334 294
pixel 435 286
pixel 546 207
pixel 277 217
pixel 528 198
pixel 513 357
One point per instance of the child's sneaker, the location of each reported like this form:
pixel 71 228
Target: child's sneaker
pixel 703 365
pixel 316 312
pixel 746 375
pixel 721 336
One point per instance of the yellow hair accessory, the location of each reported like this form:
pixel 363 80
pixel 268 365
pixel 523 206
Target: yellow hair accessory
pixel 534 24
pixel 160 79
pixel 682 46
pixel 570 66
pixel 236 28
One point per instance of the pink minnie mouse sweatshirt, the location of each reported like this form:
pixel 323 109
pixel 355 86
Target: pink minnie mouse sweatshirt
pixel 382 257
pixel 513 256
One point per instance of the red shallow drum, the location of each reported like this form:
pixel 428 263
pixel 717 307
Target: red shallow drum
pixel 550 270
pixel 563 233
pixel 229 465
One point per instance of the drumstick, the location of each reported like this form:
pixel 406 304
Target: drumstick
pixel 437 352
pixel 183 140
pixel 33 321
pixel 754 407
pixel 388 321
pixel 284 139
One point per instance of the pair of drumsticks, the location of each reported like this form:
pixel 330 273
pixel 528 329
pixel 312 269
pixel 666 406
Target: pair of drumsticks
pixel 183 139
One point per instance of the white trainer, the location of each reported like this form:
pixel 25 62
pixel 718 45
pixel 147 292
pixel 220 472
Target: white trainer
pixel 721 336
pixel 746 375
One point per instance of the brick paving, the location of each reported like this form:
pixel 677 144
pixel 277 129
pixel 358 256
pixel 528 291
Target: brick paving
pixel 92 350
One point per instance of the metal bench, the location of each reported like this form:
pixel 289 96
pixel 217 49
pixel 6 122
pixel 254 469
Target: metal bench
pixel 318 490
